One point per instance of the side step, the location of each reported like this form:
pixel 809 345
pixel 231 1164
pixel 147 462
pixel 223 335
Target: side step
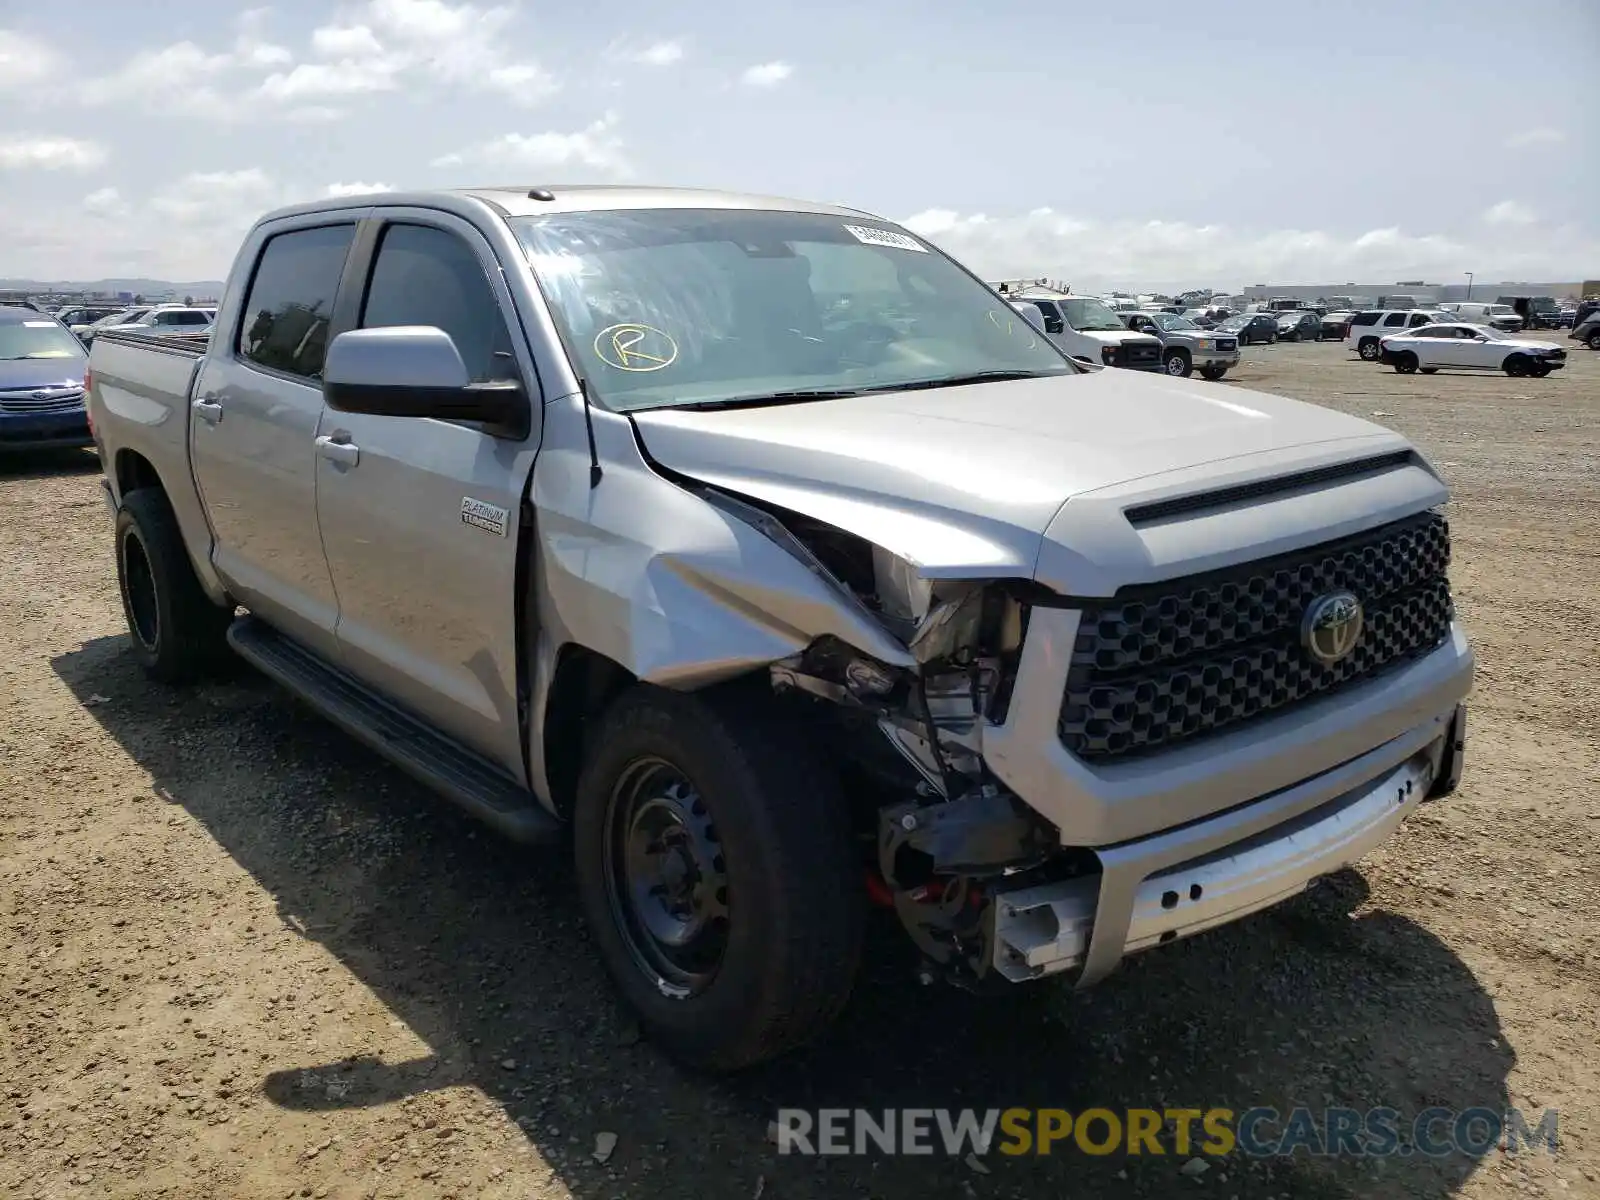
pixel 461 776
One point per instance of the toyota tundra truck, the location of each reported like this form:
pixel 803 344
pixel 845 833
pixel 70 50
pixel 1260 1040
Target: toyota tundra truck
pixel 770 561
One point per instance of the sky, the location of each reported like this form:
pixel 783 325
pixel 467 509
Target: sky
pixel 1136 145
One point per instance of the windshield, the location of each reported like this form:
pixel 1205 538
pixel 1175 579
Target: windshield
pixel 1090 316
pixel 37 339
pixel 709 306
pixel 1234 323
pixel 1170 321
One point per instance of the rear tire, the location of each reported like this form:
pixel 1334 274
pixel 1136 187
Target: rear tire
pixel 1369 349
pixel 179 635
pixel 1405 363
pixel 1594 341
pixel 751 840
pixel 1430 370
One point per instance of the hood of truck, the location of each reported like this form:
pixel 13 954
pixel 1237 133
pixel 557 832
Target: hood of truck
pixel 964 482
pixel 1113 337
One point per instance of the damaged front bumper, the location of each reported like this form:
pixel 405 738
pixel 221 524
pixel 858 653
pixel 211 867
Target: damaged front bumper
pixel 1157 889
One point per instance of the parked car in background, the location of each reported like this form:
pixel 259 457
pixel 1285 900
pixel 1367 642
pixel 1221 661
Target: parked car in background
pixel 1061 663
pixel 1334 326
pixel 1369 328
pixel 1087 329
pixel 123 316
pixel 41 383
pixel 1251 328
pixel 1464 347
pixel 1301 326
pixel 80 317
pixel 1200 317
pixel 1587 330
pixel 163 319
pixel 1187 346
pixel 1498 316
pixel 1537 312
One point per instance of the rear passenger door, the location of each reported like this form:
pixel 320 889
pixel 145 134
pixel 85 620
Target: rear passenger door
pixel 428 603
pixel 255 412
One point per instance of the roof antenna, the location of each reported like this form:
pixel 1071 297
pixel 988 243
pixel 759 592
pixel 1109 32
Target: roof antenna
pixel 588 424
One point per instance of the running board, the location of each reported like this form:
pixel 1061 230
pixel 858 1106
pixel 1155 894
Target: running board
pixel 458 774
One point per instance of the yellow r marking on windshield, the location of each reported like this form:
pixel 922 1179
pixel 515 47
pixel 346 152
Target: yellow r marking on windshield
pixel 633 347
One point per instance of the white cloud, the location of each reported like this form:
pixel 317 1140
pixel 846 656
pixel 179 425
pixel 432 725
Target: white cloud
pixel 104 202
pixel 596 148
pixel 345 41
pixel 1510 212
pixel 25 60
pixel 765 75
pixel 251 47
pixel 383 43
pixel 1543 136
pixel 355 189
pixel 20 153
pixel 173 76
pixel 1097 254
pixel 654 54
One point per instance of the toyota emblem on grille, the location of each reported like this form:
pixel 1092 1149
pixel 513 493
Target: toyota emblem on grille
pixel 1332 627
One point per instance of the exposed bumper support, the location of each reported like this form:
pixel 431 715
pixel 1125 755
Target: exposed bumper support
pixel 1217 870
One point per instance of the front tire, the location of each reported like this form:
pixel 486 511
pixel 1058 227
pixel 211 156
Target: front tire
pixel 1213 372
pixel 179 635
pixel 1518 366
pixel 718 874
pixel 1177 365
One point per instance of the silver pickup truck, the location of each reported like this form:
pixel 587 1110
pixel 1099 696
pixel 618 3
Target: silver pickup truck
pixel 766 556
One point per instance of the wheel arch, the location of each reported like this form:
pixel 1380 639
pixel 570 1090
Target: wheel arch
pixel 583 684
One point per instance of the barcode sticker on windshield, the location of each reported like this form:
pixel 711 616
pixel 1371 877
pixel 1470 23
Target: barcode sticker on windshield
pixel 869 236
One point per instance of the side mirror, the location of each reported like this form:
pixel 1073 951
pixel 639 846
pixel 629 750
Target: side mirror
pixel 415 371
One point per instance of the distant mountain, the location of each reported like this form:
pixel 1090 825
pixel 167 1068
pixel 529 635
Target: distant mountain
pixel 208 287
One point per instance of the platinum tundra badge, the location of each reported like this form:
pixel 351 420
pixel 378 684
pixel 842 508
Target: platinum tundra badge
pixel 1332 627
pixel 480 515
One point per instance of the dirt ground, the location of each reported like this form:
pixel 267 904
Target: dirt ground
pixel 242 957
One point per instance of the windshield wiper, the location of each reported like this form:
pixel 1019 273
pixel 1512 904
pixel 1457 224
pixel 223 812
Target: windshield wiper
pixel 962 380
pixel 800 396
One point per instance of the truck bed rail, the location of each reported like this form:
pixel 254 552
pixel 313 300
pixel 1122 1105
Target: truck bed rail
pixel 186 345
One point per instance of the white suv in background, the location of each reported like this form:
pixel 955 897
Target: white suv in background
pixel 1368 329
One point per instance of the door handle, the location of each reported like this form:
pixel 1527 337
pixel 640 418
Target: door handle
pixel 335 448
pixel 208 410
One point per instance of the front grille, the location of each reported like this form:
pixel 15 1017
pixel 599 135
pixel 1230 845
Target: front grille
pixel 1167 663
pixel 50 400
pixel 1227 344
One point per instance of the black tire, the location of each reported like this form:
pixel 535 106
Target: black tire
pixel 1538 370
pixel 791 903
pixel 1213 372
pixel 178 634
pixel 1405 363
pixel 1430 370
pixel 1517 366
pixel 1369 349
pixel 1272 339
pixel 1177 364
pixel 1594 340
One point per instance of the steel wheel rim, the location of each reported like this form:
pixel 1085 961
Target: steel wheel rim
pixel 1175 365
pixel 666 878
pixel 139 586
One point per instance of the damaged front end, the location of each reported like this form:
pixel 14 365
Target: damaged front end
pixel 909 739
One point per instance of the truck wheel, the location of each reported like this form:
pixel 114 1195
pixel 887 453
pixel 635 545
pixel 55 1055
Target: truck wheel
pixel 718 874
pixel 1213 371
pixel 1177 365
pixel 1405 363
pixel 179 635
pixel 1369 349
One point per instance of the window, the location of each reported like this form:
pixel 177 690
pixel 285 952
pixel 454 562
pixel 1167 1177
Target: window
pixel 1420 319
pixel 285 325
pixel 1393 320
pixel 1052 317
pixel 1364 318
pixel 1435 331
pixel 426 276
pixel 182 318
